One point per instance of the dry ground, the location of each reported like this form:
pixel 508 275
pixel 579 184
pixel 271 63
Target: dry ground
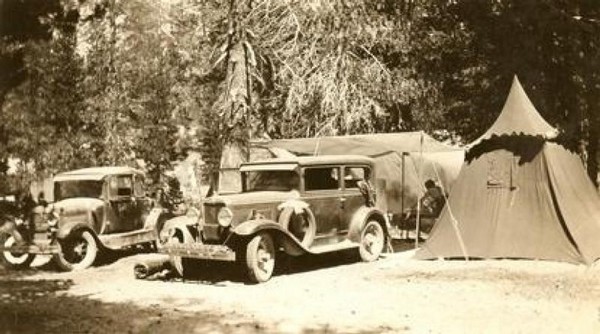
pixel 311 294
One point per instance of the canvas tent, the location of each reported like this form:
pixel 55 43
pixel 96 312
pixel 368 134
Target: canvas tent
pixel 403 160
pixel 519 195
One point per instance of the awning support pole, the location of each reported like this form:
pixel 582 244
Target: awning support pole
pixel 418 222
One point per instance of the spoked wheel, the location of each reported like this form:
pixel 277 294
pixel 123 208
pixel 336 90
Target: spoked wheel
pixel 78 251
pixel 372 241
pixel 260 258
pixel 13 260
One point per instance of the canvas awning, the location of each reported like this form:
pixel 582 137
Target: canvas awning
pixel 367 144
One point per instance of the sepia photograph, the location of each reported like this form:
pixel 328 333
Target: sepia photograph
pixel 299 166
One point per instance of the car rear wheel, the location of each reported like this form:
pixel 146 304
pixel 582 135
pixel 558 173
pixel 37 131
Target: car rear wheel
pixel 372 241
pixel 78 251
pixel 13 260
pixel 260 258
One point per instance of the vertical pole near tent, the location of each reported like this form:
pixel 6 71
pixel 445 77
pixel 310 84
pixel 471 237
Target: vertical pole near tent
pixel 418 222
pixel 403 180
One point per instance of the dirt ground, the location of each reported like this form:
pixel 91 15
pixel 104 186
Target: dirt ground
pixel 330 294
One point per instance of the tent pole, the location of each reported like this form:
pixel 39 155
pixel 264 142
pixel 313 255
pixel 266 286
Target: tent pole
pixel 418 222
pixel 403 185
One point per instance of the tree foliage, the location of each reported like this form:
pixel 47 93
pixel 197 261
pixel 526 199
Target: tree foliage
pixel 552 46
pixel 136 80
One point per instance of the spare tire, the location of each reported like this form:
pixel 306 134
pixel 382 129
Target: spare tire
pixel 301 225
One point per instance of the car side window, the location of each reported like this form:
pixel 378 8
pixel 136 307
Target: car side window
pixel 321 178
pixel 124 185
pixel 353 175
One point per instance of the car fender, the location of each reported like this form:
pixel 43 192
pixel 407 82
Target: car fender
pixel 361 217
pixel 66 229
pixel 290 244
pixel 152 218
pixel 183 225
pixel 10 227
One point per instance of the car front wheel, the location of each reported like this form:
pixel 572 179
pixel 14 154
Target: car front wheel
pixel 13 260
pixel 372 241
pixel 78 251
pixel 260 258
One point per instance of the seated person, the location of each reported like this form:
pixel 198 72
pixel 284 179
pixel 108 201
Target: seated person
pixel 432 203
pixel 433 200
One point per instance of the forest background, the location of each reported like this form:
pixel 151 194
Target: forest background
pixel 105 82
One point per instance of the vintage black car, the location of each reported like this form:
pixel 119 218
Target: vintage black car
pixel 297 205
pixel 95 208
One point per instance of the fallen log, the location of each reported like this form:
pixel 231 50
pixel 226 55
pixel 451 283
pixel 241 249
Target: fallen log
pixel 148 268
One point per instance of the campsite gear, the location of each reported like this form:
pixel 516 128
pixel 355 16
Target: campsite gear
pixel 519 195
pixel 398 161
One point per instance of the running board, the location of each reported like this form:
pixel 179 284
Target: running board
pixel 120 240
pixel 346 244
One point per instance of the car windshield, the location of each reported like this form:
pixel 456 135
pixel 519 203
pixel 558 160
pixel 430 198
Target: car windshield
pixel 79 188
pixel 277 180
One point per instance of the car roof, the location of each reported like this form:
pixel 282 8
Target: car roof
pixel 316 160
pixel 96 173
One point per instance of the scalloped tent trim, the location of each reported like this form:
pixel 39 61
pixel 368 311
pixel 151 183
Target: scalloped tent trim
pixel 518 117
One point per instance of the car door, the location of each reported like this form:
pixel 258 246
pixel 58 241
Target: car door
pixel 322 189
pixel 352 196
pixel 143 204
pixel 123 203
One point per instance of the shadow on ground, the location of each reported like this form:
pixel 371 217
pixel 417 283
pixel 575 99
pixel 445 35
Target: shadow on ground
pixel 40 306
pixel 215 272
pixel 44 263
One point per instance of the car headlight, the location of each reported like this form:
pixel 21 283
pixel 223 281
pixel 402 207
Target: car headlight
pixel 53 217
pixel 224 216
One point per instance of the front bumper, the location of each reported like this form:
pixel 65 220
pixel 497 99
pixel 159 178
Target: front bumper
pixel 42 247
pixel 200 251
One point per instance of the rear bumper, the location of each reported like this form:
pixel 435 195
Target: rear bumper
pixel 200 251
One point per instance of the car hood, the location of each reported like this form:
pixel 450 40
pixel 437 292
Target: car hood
pixel 73 206
pixel 253 197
